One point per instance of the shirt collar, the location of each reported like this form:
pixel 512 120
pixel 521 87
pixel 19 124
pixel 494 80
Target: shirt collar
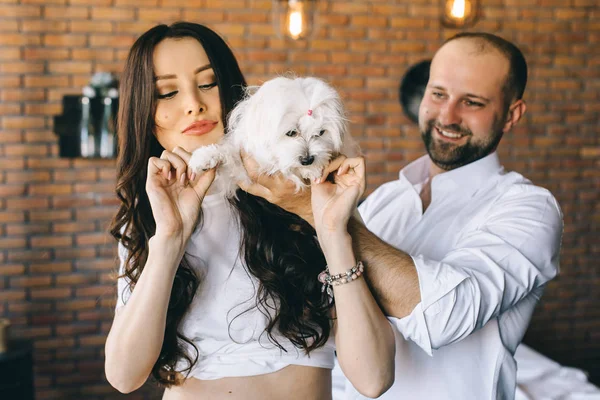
pixel 469 178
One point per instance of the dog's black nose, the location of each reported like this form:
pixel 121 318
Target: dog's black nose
pixel 307 160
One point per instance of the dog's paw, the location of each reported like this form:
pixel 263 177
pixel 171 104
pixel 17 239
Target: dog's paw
pixel 205 158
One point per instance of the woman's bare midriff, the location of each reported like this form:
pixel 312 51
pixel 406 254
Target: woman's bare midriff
pixel 294 382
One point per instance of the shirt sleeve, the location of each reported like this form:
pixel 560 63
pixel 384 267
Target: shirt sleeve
pixel 492 267
pixel 123 284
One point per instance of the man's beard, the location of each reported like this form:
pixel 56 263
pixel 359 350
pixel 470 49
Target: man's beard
pixel 449 156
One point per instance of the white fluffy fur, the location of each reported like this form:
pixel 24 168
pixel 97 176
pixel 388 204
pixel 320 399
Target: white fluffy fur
pixel 259 125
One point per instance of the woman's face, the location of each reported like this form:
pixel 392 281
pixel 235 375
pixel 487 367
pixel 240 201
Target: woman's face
pixel 188 110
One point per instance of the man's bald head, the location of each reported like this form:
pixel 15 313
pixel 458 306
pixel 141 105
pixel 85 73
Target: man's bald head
pixel 516 80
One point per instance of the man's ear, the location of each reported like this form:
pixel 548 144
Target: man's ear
pixel 515 112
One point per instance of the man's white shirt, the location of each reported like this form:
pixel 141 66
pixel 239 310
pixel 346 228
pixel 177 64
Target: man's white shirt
pixel 484 250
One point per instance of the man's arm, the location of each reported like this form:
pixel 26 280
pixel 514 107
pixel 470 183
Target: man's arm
pixel 391 273
pixel 492 269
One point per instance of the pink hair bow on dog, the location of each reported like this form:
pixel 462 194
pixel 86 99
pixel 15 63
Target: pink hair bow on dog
pixel 309 112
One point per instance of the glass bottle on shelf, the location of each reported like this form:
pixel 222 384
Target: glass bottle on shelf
pixel 107 131
pixel 86 129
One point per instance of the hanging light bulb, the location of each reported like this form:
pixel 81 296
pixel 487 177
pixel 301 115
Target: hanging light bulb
pixel 293 18
pixel 459 13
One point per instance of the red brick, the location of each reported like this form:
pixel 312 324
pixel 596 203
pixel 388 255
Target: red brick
pixel 93 54
pixel 162 15
pixel 23 122
pixel 21 67
pixel 368 21
pixel 11 216
pixel 96 340
pixel 10 81
pixel 43 26
pixel 12 295
pixel 66 12
pixel 22 95
pixel 27 229
pixel 137 3
pixel 43 2
pixel 368 47
pixel 70 67
pixel 71 202
pixel 58 342
pixel 29 255
pixel 247 17
pixel 12 269
pixel 85 239
pixel 54 267
pixel 80 304
pixel 46 81
pixel 51 241
pixel 12 243
pixel 25 150
pixel 67 40
pixel 44 109
pixel 231 4
pixel 202 15
pixel 111 41
pixel 51 215
pixel 10 53
pixel 91 26
pixel 9 26
pixel 12 190
pixel 31 281
pixel 351 8
pixel 20 11
pixel 113 14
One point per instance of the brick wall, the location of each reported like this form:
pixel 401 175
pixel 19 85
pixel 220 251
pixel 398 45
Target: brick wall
pixel 56 259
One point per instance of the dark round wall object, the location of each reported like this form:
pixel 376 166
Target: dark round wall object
pixel 412 89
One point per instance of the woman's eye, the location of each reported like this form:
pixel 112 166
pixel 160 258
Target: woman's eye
pixel 208 86
pixel 167 95
pixel 321 132
pixel 292 133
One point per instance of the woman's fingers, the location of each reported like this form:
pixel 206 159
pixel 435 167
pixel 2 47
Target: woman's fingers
pixel 201 184
pixel 333 166
pixel 356 164
pixel 185 156
pixel 159 166
pixel 178 164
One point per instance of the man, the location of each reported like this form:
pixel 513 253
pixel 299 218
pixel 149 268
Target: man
pixel 457 251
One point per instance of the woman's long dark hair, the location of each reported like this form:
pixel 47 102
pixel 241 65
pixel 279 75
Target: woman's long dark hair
pixel 279 248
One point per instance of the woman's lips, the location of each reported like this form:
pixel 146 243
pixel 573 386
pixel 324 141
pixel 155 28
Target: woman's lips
pixel 200 128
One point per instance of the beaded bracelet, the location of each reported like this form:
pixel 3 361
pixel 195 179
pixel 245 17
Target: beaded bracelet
pixel 329 281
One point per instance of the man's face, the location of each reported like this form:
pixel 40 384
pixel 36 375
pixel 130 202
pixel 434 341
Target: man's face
pixel 462 115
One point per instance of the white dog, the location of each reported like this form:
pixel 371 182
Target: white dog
pixel 294 126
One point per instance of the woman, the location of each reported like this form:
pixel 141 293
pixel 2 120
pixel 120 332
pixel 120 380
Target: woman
pixel 215 301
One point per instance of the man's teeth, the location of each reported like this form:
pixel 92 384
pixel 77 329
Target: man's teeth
pixel 450 134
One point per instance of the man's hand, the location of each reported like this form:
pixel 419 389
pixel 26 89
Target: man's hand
pixel 277 190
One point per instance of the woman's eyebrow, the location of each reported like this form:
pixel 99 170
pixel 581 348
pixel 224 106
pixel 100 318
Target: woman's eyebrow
pixel 173 76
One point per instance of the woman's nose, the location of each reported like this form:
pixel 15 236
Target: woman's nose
pixel 195 105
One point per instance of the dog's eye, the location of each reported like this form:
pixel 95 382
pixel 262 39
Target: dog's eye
pixel 321 132
pixel 292 133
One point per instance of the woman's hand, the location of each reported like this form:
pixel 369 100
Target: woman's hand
pixel 176 193
pixel 334 203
